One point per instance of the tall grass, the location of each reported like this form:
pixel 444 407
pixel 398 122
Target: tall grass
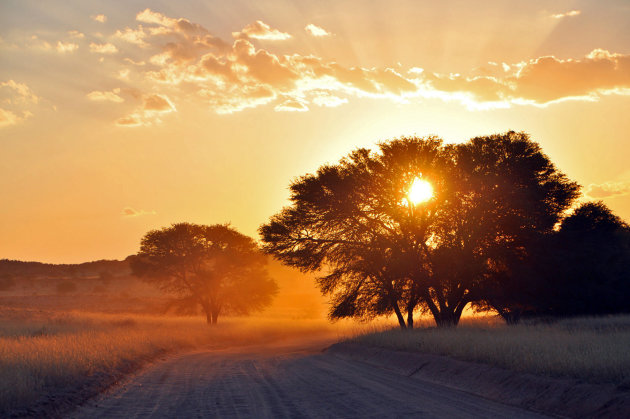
pixel 44 353
pixel 593 349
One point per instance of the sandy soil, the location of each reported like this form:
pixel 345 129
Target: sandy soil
pixel 288 379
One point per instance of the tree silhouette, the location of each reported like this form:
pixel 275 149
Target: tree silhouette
pixel 384 254
pixel 582 269
pixel 596 277
pixel 214 267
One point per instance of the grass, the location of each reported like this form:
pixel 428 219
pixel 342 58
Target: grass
pixel 592 349
pixel 48 353
pixel 44 353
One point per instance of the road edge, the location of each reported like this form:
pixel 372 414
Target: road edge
pixel 562 397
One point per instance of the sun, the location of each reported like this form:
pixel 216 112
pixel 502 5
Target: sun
pixel 420 191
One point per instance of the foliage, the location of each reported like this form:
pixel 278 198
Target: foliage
pixel 581 269
pixel 214 267
pixel 383 255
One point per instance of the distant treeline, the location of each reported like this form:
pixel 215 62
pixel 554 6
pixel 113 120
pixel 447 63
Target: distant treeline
pixel 107 268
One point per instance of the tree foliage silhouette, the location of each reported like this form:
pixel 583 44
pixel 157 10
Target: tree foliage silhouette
pixel 581 269
pixel 383 255
pixel 214 267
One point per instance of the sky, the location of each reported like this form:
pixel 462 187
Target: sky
pixel 118 117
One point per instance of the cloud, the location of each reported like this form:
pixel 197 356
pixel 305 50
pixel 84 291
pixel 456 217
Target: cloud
pixel 566 14
pixel 8 118
pixel 17 101
pixel 238 99
pixel 178 56
pixel 106 48
pixel 157 103
pixel 260 30
pixel 328 100
pixel 18 93
pixel 99 18
pixel 138 63
pixel 185 41
pixel 291 105
pixel 539 82
pixel 129 212
pixel 64 47
pixel 112 96
pixel 153 107
pixel 38 44
pixel 149 16
pixel 607 189
pixel 133 36
pixel 76 34
pixel 133 120
pixel 317 31
pixel 547 78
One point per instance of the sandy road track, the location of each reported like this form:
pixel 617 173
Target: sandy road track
pixel 283 380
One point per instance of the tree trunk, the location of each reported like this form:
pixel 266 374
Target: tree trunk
pixel 401 319
pixel 446 318
pixel 410 318
pixel 212 313
pixel 511 317
pixel 215 316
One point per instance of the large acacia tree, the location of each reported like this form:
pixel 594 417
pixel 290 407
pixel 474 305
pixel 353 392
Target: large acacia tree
pixel 381 254
pixel 213 267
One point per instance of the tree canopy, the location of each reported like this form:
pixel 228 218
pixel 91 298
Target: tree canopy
pixel 214 267
pixel 382 254
pixel 582 268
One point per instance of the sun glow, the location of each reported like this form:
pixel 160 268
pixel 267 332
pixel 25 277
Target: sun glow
pixel 420 191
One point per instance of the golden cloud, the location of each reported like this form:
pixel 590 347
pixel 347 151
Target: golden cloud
pixel 133 36
pixel 112 96
pixel 17 101
pixel 183 57
pixel 570 13
pixel 315 30
pixel 106 48
pixel 153 107
pixel 547 79
pixel 130 212
pixel 99 18
pixel 18 92
pixel 8 118
pixel 76 34
pixel 64 47
pixel 260 30
pixel 132 120
pixel 328 100
pixel 540 81
pixel 157 103
pixel 608 189
pixel 291 105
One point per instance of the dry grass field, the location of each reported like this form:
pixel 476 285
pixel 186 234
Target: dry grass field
pixel 48 353
pixel 593 349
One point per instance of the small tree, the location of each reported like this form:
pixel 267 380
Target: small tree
pixel 214 267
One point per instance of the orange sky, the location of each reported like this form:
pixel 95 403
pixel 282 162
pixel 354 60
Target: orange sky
pixel 120 117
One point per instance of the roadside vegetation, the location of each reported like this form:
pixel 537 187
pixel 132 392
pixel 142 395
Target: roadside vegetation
pixel 594 349
pixel 46 356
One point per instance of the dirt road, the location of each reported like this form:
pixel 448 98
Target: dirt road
pixel 284 380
